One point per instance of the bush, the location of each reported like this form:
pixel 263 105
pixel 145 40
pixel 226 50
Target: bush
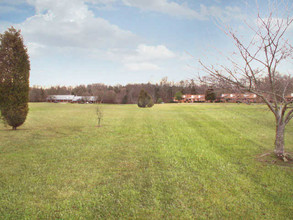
pixel 160 100
pixel 151 103
pixel 210 95
pixel 178 96
pixel 144 100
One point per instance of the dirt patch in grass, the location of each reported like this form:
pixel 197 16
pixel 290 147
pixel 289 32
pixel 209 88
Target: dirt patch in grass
pixel 271 158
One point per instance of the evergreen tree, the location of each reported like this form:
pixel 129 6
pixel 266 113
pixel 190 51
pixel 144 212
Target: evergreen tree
pixel 210 95
pixel 145 100
pixel 160 100
pixel 178 95
pixel 14 78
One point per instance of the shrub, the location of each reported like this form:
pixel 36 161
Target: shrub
pixel 210 95
pixel 160 100
pixel 144 100
pixel 178 96
pixel 151 103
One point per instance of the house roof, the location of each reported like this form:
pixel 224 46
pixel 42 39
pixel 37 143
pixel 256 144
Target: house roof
pixel 72 98
pixel 77 98
pixel 85 98
pixel 238 95
pixel 193 96
pixel 61 97
pixel 91 98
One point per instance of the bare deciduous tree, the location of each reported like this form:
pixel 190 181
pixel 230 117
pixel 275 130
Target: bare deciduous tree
pixel 99 113
pixel 260 59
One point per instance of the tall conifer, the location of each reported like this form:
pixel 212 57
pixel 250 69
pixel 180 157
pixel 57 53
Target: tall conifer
pixel 14 78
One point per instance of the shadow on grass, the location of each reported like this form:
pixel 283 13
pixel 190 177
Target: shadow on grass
pixel 10 129
pixel 270 158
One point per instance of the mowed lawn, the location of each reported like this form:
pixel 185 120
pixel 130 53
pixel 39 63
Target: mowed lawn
pixel 173 161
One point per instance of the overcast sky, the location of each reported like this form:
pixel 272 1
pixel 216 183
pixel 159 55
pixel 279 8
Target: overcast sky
pixel 73 42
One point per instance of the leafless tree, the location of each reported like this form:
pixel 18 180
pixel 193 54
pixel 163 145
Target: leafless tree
pixel 99 113
pixel 98 90
pixel 257 62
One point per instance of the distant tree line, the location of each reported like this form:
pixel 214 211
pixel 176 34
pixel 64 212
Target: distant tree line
pixel 164 91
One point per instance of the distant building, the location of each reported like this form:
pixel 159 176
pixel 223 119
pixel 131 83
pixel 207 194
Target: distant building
pixel 84 99
pixel 240 97
pixel 289 98
pixel 189 98
pixel 60 98
pixel 229 97
pixel 71 99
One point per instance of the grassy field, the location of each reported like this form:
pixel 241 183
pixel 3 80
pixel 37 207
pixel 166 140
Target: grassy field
pixel 173 161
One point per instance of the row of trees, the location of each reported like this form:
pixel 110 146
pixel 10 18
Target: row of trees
pixel 164 91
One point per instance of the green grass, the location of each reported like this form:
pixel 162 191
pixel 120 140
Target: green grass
pixel 172 161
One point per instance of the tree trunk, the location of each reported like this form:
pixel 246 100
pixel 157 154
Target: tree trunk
pixel 13 128
pixel 279 142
